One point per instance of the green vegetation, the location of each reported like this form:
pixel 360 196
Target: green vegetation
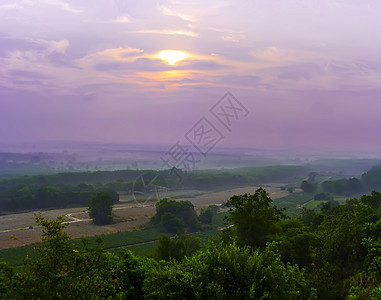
pixel 175 216
pixel 206 216
pixel 180 246
pixel 254 217
pixel 64 190
pixel 308 187
pixel 334 254
pixel 15 256
pixel 369 181
pixel 27 197
pixel 323 196
pixel 206 179
pixel 61 270
pixel 292 202
pixel 314 204
pixel 100 208
pixel 343 186
pixel 134 240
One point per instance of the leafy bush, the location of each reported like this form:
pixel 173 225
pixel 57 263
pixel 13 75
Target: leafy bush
pixel 206 216
pixel 181 246
pixel 172 223
pixel 175 216
pixel 228 271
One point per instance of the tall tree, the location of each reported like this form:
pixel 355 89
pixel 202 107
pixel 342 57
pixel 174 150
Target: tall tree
pixel 254 217
pixel 100 208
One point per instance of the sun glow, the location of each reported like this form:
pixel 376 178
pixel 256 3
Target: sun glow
pixel 172 56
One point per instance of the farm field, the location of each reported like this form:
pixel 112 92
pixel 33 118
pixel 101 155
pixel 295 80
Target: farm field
pixel 313 204
pixel 140 242
pixel 19 229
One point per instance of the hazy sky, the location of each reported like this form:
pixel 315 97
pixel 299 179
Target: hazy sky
pixel 308 72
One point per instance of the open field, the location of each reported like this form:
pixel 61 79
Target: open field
pixel 313 204
pixel 19 229
pixel 140 242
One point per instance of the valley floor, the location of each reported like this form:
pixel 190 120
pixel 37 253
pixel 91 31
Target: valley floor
pixel 19 229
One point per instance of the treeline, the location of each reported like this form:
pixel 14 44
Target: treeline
pixel 28 197
pixel 73 178
pixel 368 181
pixel 190 179
pixel 346 187
pixel 243 176
pixel 72 189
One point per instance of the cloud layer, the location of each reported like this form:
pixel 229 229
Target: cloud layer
pixel 89 70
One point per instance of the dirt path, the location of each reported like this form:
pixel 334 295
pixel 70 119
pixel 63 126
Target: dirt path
pixel 305 203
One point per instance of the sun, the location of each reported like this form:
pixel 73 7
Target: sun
pixel 172 56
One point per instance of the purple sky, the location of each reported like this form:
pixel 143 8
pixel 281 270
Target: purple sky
pixel 309 72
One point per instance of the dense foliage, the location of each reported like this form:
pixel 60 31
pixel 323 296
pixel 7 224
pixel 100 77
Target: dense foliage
pixel 100 208
pixel 369 181
pixel 339 247
pixel 254 217
pixel 28 197
pixel 180 246
pixel 72 189
pixel 61 270
pixel 176 216
pixel 334 254
pixel 308 187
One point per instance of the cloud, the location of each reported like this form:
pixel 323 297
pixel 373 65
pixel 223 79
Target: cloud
pixel 57 46
pixel 61 4
pixel 284 56
pixel 26 82
pixel 122 19
pixel 203 65
pixel 240 80
pixel 295 75
pixel 121 52
pixel 109 57
pixel 25 74
pixel 233 37
pixel 10 6
pixel 170 32
pixel 39 51
pixel 173 13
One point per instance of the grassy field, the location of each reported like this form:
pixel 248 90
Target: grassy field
pixel 15 256
pixel 121 239
pixel 147 249
pixel 314 204
pixel 141 242
pixel 291 202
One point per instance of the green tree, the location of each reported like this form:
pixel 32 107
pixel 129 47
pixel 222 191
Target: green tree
pixel 310 218
pixel 172 223
pixel 297 243
pixel 308 187
pixel 290 189
pixel 180 246
pixel 100 208
pixel 172 212
pixel 254 217
pixel 206 216
pixel 227 271
pixel 345 255
pixel 59 269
